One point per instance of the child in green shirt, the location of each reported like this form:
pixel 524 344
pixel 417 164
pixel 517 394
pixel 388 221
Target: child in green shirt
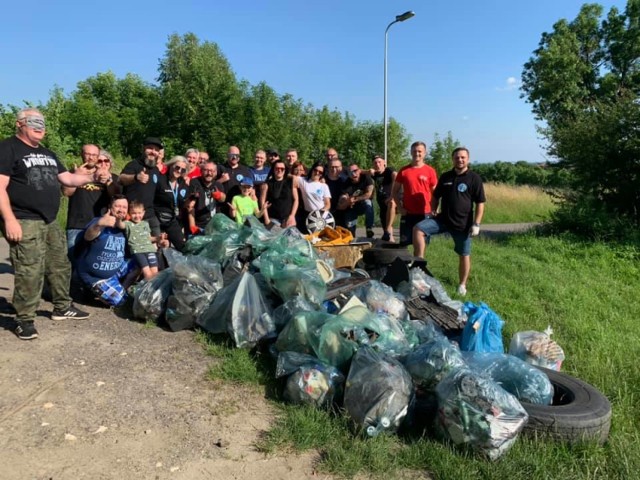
pixel 245 204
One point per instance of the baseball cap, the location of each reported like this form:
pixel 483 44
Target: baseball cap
pixel 247 181
pixel 273 153
pixel 153 141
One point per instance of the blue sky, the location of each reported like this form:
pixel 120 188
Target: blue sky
pixel 455 66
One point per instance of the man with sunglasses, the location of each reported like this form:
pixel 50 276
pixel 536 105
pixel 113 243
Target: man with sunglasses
pixel 272 156
pixel 89 201
pixel 30 178
pixel 236 172
pixel 140 177
pixel 355 200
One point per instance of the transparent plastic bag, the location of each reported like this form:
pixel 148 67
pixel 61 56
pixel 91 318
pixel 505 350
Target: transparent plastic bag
pixel 240 310
pixel 309 381
pixel 483 330
pixel 417 285
pixel 290 269
pixel 476 412
pixel 220 223
pixel 520 379
pixel 378 392
pixel 433 360
pixel 150 299
pixel 537 348
pixel 285 312
pixel 381 298
pixel 333 339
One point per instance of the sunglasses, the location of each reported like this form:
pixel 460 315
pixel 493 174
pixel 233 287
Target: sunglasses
pixel 103 161
pixel 180 169
pixel 318 170
pixel 233 156
pixel 279 169
pixel 353 172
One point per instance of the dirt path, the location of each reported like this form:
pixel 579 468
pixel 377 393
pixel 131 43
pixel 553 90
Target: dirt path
pixel 109 398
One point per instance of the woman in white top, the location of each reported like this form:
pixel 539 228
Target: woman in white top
pixel 315 193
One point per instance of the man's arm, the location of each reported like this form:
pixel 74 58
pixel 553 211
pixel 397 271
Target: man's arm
pixel 127 179
pixel 69 179
pixel 92 232
pixel 13 230
pixel 479 213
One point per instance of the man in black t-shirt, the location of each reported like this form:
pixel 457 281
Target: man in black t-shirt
pixel 205 196
pixel 457 192
pixel 383 178
pixel 355 200
pixel 235 172
pixel 30 178
pixel 335 179
pixel 140 177
pixel 89 201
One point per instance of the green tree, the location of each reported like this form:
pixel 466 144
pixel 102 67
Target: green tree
pixel 439 152
pixel 200 96
pixel 583 82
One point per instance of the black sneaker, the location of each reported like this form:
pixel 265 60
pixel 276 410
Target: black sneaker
pixel 26 330
pixel 70 313
pixel 386 237
pixel 370 233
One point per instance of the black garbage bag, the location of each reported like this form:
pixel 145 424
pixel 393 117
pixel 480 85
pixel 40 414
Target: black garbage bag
pixel 309 381
pixel 240 310
pixel 196 280
pixel 150 299
pixel 378 392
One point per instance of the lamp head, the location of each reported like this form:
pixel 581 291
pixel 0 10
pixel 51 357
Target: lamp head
pixel 405 16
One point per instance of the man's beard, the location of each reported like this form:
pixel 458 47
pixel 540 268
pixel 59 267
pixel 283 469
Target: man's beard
pixel 150 162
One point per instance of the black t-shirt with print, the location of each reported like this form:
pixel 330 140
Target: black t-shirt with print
pixel 355 189
pixel 206 205
pixel 457 194
pixel 383 182
pixel 34 190
pixel 143 192
pixel 88 202
pixel 335 188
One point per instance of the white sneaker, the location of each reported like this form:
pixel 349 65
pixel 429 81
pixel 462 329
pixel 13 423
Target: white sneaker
pixel 462 290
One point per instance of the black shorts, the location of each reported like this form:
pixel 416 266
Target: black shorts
pixel 146 259
pixel 407 222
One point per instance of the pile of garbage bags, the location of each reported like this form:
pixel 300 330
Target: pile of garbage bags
pixel 363 355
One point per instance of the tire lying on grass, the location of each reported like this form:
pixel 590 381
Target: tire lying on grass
pixel 578 413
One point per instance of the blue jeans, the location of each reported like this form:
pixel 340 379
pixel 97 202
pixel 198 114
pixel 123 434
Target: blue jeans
pixel 72 237
pixel 363 207
pixel 461 240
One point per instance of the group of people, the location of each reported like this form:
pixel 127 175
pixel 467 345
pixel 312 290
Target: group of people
pixel 117 223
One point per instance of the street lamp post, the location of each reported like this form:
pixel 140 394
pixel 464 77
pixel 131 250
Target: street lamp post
pixel 399 18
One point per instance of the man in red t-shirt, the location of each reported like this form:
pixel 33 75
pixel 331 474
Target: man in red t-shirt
pixel 412 191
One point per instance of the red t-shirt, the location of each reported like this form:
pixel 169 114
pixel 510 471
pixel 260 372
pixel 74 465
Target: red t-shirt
pixel 195 173
pixel 417 184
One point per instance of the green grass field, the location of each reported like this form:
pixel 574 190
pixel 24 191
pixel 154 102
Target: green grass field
pixel 586 291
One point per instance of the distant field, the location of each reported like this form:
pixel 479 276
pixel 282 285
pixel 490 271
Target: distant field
pixel 516 204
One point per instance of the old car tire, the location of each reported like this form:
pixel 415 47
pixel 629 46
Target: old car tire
pixel 579 412
pixel 384 256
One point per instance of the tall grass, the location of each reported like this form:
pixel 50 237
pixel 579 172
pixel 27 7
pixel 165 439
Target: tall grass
pixel 516 204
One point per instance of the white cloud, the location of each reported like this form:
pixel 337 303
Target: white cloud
pixel 511 83
pixel 465 118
